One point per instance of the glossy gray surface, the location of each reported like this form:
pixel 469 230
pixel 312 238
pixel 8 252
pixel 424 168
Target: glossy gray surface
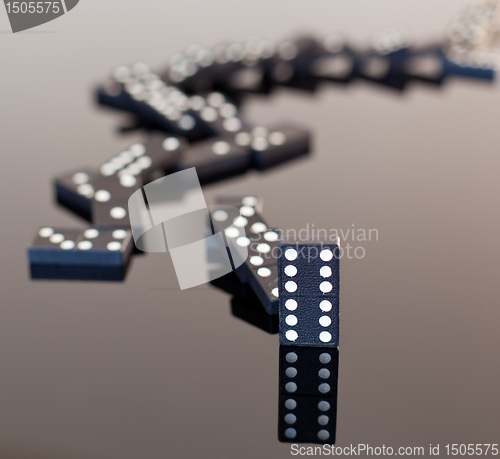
pixel 140 369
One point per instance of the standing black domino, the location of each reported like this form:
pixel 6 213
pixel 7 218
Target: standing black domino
pixel 309 294
pixel 308 394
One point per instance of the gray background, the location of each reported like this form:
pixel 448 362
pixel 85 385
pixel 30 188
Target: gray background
pixel 140 369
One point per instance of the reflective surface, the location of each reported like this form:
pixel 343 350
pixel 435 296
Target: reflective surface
pixel 141 369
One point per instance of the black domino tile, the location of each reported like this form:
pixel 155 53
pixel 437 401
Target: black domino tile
pixel 215 159
pixel 309 294
pixel 82 248
pixel 250 310
pixel 274 145
pixel 74 192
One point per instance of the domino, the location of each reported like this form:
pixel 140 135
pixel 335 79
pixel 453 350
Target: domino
pixel 77 273
pixel 220 115
pixel 263 280
pixel 425 64
pixel 275 145
pixel 159 152
pixel 86 192
pixel 74 192
pixel 308 380
pixel 390 48
pixel 255 202
pixel 245 305
pixel 307 419
pixel 200 69
pixel 435 64
pixel 99 199
pixel 232 285
pixel 310 371
pixel 337 63
pixel 144 93
pixel 232 68
pixel 250 230
pixel 215 159
pixel 251 311
pixel 57 249
pixel 308 283
pixel 475 65
pixel 289 65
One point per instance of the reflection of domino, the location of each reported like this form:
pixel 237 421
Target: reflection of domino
pixel 172 215
pixel 308 394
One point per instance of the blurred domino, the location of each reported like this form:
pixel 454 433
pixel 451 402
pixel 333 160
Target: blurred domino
pixel 274 145
pixel 91 193
pixel 233 68
pixel 137 89
pixel 382 65
pixel 91 249
pixel 250 230
pixel 215 159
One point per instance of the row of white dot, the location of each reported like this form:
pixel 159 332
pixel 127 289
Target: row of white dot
pixel 186 65
pixel 260 138
pixel 291 433
pixel 291 419
pixel 323 373
pixel 292 254
pixel 291 404
pixel 136 167
pixel 324 336
pixel 58 238
pixel 248 210
pixel 325 271
pixel 244 139
pixel 257 227
pixel 166 100
pixel 291 304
